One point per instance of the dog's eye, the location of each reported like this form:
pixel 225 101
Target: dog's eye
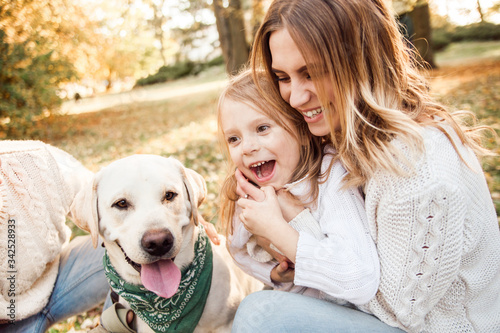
pixel 169 196
pixel 121 204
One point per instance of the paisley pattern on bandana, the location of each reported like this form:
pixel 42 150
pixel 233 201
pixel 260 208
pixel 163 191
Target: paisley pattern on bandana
pixel 181 312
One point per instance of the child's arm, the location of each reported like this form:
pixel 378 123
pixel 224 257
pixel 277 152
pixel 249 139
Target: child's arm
pixel 260 270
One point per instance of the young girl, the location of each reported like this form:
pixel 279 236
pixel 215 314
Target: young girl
pixel 343 65
pixel 273 148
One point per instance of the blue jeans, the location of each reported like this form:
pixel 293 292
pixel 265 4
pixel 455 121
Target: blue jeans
pixel 80 286
pixel 277 311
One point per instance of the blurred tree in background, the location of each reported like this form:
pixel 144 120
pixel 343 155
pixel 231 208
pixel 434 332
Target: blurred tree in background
pixel 38 41
pixel 415 20
pixel 232 37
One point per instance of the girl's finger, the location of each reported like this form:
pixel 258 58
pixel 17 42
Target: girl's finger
pixel 246 188
pixel 268 191
pixel 243 220
pixel 239 191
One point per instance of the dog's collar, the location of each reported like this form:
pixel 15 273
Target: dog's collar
pixel 181 312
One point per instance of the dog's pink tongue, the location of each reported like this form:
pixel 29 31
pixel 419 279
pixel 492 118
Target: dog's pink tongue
pixel 162 277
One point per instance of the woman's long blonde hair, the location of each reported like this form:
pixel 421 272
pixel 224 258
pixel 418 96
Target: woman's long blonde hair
pixel 377 90
pixel 242 88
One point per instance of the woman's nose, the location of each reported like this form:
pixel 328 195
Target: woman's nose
pixel 299 95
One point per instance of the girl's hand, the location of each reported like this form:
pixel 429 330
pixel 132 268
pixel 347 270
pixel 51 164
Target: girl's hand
pixel 244 187
pixel 266 245
pixel 264 217
pixel 283 272
pixel 290 206
pixel 261 216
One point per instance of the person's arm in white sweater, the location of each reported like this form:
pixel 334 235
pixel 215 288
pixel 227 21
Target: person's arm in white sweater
pixel 420 246
pixel 419 223
pixel 345 263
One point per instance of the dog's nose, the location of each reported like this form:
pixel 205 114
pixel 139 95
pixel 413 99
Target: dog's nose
pixel 157 242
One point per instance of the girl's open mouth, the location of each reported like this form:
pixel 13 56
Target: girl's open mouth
pixel 263 171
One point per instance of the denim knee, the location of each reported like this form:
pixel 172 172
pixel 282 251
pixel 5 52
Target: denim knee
pixel 256 311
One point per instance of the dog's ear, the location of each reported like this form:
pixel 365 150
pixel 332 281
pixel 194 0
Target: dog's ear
pixel 83 210
pixel 197 190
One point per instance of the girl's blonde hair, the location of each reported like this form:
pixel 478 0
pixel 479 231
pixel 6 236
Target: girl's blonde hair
pixel 377 90
pixel 242 88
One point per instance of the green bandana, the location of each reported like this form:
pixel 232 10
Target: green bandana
pixel 181 312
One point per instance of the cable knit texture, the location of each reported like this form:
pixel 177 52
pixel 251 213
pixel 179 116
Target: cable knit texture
pixel 38 184
pixel 438 241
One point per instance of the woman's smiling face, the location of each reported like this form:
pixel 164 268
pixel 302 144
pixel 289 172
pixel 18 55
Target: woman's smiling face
pixel 295 83
pixel 261 149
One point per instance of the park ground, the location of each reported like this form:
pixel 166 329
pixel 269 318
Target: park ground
pixel 178 119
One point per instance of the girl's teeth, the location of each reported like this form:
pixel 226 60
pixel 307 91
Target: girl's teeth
pixel 257 164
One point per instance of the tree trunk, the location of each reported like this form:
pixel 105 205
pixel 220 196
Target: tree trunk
pixel 420 17
pixel 480 10
pixel 157 22
pixel 231 28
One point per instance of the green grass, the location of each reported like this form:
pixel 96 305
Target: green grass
pixel 467 52
pixel 185 126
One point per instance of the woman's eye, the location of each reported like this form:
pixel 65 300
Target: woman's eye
pixel 263 128
pixel 121 204
pixel 282 78
pixel 169 196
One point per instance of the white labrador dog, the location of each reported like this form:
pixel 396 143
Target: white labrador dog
pixel 145 208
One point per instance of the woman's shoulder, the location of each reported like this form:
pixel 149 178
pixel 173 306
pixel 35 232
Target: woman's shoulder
pixel 440 163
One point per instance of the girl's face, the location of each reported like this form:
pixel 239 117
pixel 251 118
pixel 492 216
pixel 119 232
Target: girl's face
pixel 295 84
pixel 264 151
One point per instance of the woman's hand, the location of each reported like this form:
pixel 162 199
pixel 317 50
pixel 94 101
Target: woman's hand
pixel 210 230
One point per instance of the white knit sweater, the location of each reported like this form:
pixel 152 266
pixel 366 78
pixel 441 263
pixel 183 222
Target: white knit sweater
pixel 438 241
pixel 38 183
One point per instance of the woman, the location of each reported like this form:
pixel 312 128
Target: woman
pixel 44 277
pixel 344 65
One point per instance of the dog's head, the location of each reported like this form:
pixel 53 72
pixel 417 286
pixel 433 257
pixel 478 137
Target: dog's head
pixel 143 204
